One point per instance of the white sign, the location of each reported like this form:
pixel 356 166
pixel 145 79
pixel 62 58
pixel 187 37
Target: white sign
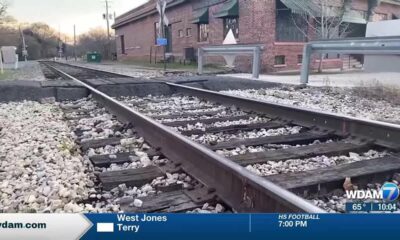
pixel 161 7
pixel 8 53
pixel 382 63
pixel 230 58
pixel 10 58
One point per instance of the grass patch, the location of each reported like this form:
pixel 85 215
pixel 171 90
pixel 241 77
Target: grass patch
pixel 378 91
pixel 192 67
pixel 6 75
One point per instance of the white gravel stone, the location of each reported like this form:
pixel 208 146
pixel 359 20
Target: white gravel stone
pixel 209 208
pixel 214 138
pixel 335 100
pixel 41 172
pixel 138 203
pixel 176 104
pixel 269 147
pixel 299 165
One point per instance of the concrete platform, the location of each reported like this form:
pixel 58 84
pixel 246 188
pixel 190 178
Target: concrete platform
pixel 348 79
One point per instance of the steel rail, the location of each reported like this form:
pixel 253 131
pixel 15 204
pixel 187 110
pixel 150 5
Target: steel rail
pixel 383 134
pixel 48 63
pixel 239 188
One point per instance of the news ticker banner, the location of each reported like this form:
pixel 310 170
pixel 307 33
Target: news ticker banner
pixel 197 226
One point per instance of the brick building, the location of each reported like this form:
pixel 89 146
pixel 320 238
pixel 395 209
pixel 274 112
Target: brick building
pixel 195 23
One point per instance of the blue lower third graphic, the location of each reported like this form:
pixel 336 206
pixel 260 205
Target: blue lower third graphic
pixel 242 226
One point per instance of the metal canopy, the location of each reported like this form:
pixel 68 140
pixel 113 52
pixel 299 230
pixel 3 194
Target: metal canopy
pixel 303 7
pixel 229 9
pixel 200 16
pixel 353 16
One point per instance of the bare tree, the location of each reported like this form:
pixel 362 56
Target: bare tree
pixel 324 19
pixel 95 40
pixel 3 8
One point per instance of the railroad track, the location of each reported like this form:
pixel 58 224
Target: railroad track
pixel 79 72
pixel 211 136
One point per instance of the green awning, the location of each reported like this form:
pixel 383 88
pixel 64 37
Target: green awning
pixel 312 8
pixel 229 9
pixel 200 16
pixel 302 7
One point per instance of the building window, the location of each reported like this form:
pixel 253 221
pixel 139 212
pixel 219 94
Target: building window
pixel 203 32
pixel 231 23
pixel 280 60
pixel 188 32
pixel 123 51
pixel 379 17
pixel 299 59
pixel 290 27
pixel 180 33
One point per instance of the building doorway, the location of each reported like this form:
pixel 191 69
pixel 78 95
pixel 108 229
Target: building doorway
pixel 168 35
pixel 123 51
pixel 356 30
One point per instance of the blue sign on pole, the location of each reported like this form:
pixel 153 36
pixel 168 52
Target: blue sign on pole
pixel 162 42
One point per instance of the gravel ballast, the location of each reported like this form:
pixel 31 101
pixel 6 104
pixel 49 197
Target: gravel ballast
pixel 300 165
pixel 335 100
pixel 40 170
pixel 99 124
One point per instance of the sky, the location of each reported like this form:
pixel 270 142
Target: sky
pixel 63 14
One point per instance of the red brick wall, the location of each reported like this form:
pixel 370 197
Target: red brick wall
pixel 388 9
pixel 138 39
pixel 256 25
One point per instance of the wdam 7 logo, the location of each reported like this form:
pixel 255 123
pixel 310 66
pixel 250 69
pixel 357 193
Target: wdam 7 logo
pixel 390 192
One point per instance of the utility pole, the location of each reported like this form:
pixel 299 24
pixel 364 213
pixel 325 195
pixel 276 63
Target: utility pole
pixel 163 35
pixel 108 21
pixel 59 42
pixel 161 6
pixel 65 48
pixel 107 17
pixel 75 43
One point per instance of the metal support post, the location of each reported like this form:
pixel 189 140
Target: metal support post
pixel 305 67
pixel 256 62
pixel 200 61
pixel 16 61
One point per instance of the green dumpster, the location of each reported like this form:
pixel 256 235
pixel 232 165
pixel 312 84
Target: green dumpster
pixel 94 57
